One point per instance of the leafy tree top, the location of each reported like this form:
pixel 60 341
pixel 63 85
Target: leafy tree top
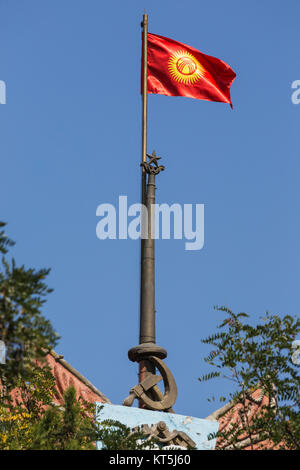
pixel 254 357
pixel 26 333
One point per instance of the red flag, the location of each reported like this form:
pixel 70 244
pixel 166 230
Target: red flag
pixel 175 69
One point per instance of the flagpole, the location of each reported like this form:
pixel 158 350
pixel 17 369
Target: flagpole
pixel 143 364
pixel 147 353
pixel 145 102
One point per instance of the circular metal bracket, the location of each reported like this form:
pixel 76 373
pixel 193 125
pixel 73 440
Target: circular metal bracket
pixel 163 402
pixel 144 350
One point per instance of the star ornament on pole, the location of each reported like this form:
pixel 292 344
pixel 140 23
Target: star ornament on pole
pixel 152 166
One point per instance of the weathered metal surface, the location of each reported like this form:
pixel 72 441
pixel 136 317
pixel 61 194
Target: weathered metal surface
pixel 143 366
pixel 141 351
pixel 147 353
pixel 163 402
pixel 161 433
pixel 152 167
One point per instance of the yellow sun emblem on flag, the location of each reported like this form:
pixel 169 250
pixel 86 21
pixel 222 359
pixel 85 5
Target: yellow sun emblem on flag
pixel 185 68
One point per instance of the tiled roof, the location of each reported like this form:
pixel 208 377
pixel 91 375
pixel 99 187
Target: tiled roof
pixel 65 375
pixel 230 414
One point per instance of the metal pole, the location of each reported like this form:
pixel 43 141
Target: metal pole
pixel 147 353
pixel 147 321
pixel 143 365
pixel 145 102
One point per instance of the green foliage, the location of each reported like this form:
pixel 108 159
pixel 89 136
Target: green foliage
pixel 23 328
pixel 209 376
pixel 72 426
pixel 5 242
pixel 34 422
pixel 69 427
pixel 29 417
pixel 21 411
pixel 117 436
pixel 26 382
pixel 258 357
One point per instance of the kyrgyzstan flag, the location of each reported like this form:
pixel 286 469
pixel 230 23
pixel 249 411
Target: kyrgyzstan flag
pixel 175 69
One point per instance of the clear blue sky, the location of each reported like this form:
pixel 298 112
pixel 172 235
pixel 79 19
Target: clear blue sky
pixel 71 139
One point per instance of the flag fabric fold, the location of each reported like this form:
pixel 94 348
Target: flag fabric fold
pixel 175 69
